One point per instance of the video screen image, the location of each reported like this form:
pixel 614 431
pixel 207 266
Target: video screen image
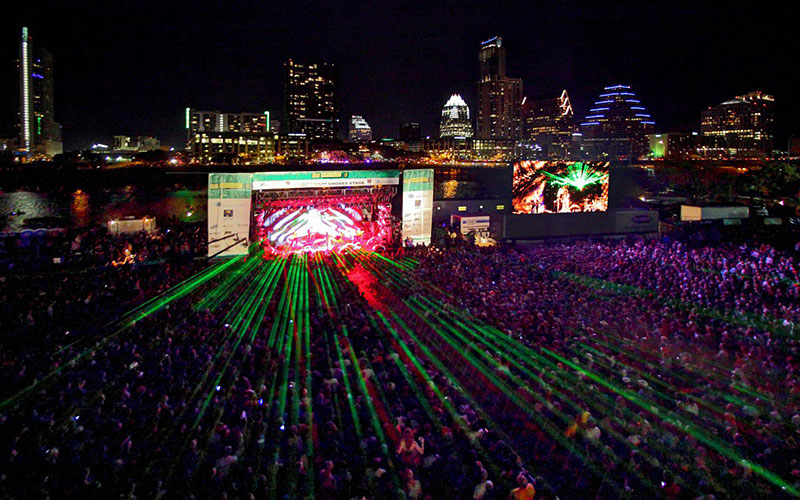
pixel 324 225
pixel 542 187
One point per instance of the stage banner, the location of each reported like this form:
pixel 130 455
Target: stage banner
pixel 324 178
pixel 229 214
pixel 418 205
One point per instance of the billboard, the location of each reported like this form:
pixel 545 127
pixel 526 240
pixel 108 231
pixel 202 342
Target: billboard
pixel 229 214
pixel 560 187
pixel 418 205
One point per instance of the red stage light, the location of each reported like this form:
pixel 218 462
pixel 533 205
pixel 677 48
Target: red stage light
pixel 326 224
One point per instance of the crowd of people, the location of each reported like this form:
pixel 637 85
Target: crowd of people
pixel 707 333
pixel 43 250
pixel 631 369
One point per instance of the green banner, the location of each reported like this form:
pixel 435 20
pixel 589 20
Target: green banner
pixel 418 179
pixel 418 205
pixel 324 174
pixel 229 185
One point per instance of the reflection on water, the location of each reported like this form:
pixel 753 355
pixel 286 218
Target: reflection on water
pixel 453 190
pixel 80 208
pixel 449 189
pixel 83 208
pixel 20 205
pixel 452 183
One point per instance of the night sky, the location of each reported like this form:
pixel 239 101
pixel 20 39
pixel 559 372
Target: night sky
pixel 132 67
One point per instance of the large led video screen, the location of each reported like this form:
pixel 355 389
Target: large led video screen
pixel 542 187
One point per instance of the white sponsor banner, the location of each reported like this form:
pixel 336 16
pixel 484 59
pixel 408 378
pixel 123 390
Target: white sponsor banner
pixel 228 222
pixel 228 214
pixel 418 205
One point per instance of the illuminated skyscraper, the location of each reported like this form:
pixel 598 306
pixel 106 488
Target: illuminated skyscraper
pixel 548 123
pixel 217 121
pixel 39 133
pixel 455 119
pixel 310 100
pixel 499 97
pixel 217 137
pixel 617 126
pixel 359 130
pixel 741 127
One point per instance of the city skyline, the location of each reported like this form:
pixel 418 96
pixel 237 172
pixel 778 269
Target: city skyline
pixel 134 74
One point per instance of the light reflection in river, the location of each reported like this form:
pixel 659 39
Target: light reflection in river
pixel 80 208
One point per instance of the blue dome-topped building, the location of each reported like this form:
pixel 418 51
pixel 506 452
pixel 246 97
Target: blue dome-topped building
pixel 616 126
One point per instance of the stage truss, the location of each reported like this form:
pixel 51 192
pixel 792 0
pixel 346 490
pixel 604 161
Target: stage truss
pixel 324 219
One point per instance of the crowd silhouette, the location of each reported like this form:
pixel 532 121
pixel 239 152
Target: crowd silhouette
pixel 631 369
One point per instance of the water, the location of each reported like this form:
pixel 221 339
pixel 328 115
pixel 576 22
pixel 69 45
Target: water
pixel 81 208
pixel 461 183
pixel 82 198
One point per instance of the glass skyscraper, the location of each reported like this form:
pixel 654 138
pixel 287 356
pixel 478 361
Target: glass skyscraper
pixel 548 122
pixel 39 133
pixel 741 127
pixel 499 97
pixel 310 100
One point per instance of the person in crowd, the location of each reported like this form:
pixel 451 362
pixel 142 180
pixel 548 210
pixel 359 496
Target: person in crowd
pixel 525 489
pixel 409 450
pixel 198 396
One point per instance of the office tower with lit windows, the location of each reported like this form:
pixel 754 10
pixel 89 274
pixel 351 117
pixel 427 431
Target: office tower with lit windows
pixel 739 128
pixel 137 143
pixel 499 97
pixel 455 119
pixel 39 133
pixel 217 137
pixel 217 121
pixel 617 126
pixel 310 100
pixel 359 130
pixel 548 123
